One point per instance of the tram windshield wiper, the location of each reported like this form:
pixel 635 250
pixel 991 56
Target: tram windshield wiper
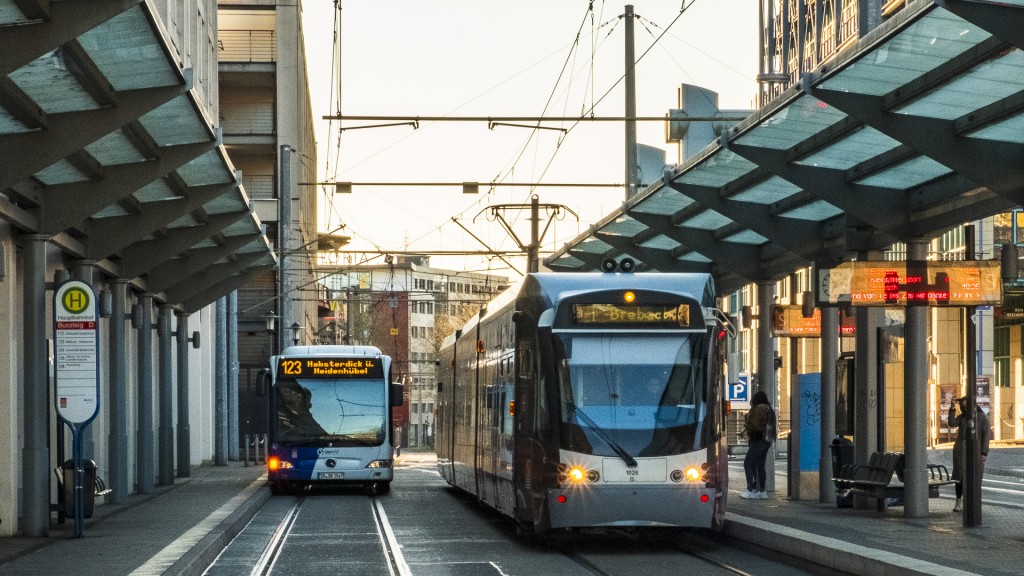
pixel 602 434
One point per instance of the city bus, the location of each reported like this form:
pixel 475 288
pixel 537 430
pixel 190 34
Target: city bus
pixel 330 418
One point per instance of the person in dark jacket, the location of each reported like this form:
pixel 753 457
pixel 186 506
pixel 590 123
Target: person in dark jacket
pixel 960 447
pixel 759 427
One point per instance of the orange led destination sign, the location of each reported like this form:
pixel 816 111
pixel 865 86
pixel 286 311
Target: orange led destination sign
pixel 931 283
pixel 788 322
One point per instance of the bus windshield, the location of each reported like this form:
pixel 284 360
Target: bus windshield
pixel 331 412
pixel 642 394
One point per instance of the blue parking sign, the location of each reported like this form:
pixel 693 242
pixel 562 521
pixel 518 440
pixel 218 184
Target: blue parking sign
pixel 739 392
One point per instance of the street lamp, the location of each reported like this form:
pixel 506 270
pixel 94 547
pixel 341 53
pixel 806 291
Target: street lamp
pixel 270 318
pixel 295 332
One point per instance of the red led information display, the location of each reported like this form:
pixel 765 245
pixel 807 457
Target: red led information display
pixel 788 321
pixel 931 283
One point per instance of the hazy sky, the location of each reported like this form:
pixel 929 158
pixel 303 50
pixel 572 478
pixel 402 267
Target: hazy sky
pixel 516 58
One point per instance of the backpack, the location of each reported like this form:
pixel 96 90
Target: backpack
pixel 769 427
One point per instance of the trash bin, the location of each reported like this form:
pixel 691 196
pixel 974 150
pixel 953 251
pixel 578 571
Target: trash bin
pixel 88 487
pixel 842 455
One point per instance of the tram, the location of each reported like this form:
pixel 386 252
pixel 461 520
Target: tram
pixel 578 400
pixel 330 417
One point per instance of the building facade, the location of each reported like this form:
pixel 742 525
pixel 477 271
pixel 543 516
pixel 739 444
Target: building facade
pixel 407 308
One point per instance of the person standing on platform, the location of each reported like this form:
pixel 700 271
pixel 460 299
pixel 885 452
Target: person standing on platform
pixel 960 448
pixel 759 427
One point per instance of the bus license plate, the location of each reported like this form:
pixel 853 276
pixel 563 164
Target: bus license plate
pixel 331 476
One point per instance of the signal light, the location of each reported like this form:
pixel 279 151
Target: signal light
pixel 629 297
pixel 561 498
pixel 704 498
pixel 273 463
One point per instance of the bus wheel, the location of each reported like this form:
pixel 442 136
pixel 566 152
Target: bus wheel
pixel 375 488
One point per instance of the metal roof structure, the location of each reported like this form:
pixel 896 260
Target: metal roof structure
pixel 917 128
pixel 107 149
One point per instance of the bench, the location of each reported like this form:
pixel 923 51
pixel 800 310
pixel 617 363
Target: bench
pixel 875 479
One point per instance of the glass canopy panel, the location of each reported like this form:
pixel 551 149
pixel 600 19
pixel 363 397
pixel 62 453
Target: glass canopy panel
pixel 693 256
pixel 746 237
pixel 706 220
pixel 720 169
pixel 661 242
pixel 206 169
pixel 591 245
pixel 906 175
pixel 204 243
pixel 623 226
pixel 242 227
pixel 114 148
pixel 792 124
pixel 817 211
pixel 11 14
pixel 857 147
pixel 568 261
pixel 9 124
pixel 51 86
pixel 1009 130
pixel 176 122
pixel 111 211
pixel 925 45
pixel 665 202
pixel 984 84
pixel 226 204
pixel 256 245
pixel 186 221
pixel 60 172
pixel 768 191
pixel 155 191
pixel 129 53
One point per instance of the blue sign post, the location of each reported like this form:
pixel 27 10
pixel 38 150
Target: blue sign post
pixel 739 392
pixel 76 372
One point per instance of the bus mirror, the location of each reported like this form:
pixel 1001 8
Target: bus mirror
pixel 397 395
pixel 262 382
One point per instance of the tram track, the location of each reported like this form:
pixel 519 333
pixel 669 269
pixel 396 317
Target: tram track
pixel 265 563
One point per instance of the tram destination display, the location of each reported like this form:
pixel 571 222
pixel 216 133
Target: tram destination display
pixel 651 315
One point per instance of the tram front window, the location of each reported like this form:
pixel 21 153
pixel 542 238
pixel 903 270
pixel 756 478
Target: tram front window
pixel 330 412
pixel 644 393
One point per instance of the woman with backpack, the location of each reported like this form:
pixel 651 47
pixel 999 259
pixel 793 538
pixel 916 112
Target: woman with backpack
pixel 760 430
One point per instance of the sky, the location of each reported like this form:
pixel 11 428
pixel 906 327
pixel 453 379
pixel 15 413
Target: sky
pixel 483 58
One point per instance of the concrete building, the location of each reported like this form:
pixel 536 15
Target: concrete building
pixel 407 308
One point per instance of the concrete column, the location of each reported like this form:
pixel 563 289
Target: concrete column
pixel 184 455
pixel 829 354
pixel 766 363
pixel 866 439
pixel 220 358
pixel 144 469
pixel 233 448
pixel 163 330
pixel 915 401
pixel 35 456
pixel 117 437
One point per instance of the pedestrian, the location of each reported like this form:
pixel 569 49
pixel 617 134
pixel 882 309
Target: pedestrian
pixel 759 427
pixel 960 448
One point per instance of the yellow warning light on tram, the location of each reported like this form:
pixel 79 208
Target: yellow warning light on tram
pixel 629 297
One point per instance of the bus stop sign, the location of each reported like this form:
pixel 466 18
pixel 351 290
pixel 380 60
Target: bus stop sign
pixel 76 352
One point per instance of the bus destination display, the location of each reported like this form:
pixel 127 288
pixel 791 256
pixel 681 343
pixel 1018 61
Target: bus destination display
pixel 652 315
pixel 330 368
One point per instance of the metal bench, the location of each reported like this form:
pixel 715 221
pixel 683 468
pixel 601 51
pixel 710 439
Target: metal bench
pixel 875 479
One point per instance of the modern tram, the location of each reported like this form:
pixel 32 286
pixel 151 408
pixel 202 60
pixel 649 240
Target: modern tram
pixel 330 417
pixel 578 400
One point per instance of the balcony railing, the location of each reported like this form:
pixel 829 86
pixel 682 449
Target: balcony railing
pixel 247 45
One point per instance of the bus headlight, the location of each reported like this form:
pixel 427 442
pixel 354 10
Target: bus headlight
pixel 693 474
pixel 379 464
pixel 275 463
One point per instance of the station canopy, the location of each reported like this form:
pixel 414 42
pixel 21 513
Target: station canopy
pixel 917 128
pixel 107 149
